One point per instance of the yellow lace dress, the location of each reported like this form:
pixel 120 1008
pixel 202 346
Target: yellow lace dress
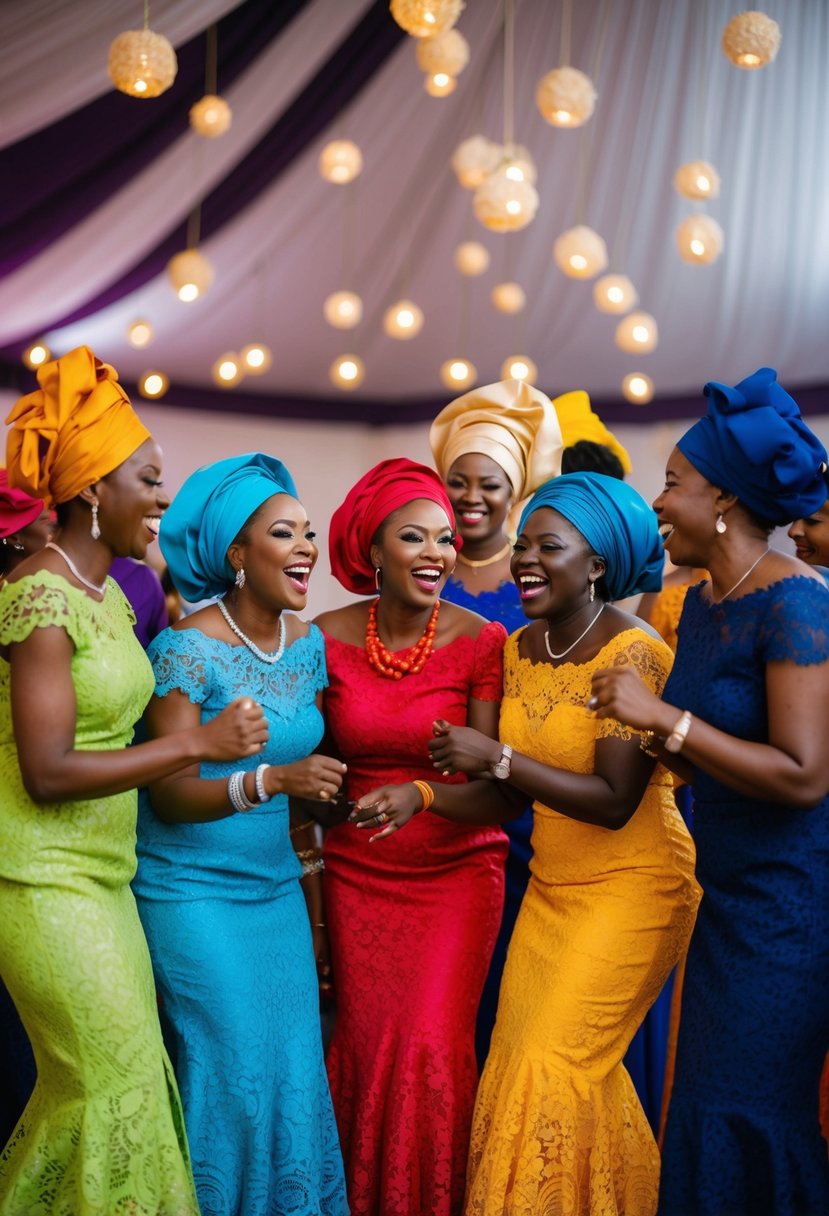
pixel 558 1129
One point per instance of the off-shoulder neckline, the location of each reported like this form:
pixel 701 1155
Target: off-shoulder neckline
pixel 749 595
pixel 642 633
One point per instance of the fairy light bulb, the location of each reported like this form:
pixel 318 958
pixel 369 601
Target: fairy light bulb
pixel 153 384
pixel 140 334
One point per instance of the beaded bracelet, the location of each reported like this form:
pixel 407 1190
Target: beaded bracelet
pixel 261 793
pixel 426 793
pixel 236 792
pixel 312 867
pixel 309 854
pixel 646 744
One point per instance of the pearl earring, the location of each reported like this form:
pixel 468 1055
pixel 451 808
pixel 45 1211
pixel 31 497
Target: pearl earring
pixel 592 592
pixel 240 577
pixel 721 526
pixel 95 530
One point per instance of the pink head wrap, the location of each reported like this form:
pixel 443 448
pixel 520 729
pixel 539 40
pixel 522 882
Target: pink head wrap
pixel 17 509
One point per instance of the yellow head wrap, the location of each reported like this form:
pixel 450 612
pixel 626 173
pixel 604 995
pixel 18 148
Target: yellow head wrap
pixel 77 427
pixel 512 423
pixel 577 421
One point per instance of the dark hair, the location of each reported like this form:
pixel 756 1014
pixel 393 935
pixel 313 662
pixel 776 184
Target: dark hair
pixel 585 456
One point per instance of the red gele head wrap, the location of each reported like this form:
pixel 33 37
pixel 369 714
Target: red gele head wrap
pixel 17 508
pixel 389 485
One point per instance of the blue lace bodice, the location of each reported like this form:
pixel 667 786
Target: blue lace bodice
pixel 245 854
pixel 502 604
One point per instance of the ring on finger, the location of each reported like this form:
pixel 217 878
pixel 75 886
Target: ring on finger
pixel 381 817
pixel 324 795
pixel 446 773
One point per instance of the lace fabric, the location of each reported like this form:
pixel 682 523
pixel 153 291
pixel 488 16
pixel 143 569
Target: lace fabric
pixel 558 1127
pixel 412 921
pixel 742 1132
pixel 102 1133
pixel 231 946
pixel 503 604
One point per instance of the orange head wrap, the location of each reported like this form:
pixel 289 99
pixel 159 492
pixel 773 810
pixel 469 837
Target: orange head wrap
pixel 77 427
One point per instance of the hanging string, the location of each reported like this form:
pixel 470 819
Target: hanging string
pixel 194 227
pixel 349 224
pixel 463 324
pixel 509 80
pixel 146 14
pixel 211 69
pixel 702 96
pixel 566 24
pixel 587 146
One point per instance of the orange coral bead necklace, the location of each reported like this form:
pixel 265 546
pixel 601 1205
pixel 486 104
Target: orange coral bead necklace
pixel 388 664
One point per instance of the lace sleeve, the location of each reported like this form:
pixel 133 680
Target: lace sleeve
pixel 652 658
pixel 181 661
pixel 795 629
pixel 488 665
pixel 37 602
pixel 319 675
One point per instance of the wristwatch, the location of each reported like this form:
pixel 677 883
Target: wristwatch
pixel 501 770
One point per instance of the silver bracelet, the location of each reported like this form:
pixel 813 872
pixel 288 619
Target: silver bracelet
pixel 312 867
pixel 261 793
pixel 236 792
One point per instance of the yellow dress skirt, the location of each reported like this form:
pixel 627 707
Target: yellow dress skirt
pixel 558 1128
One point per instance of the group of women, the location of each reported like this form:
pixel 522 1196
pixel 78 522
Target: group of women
pixel 410 728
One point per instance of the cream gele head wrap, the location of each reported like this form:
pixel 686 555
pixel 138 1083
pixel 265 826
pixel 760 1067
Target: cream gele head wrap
pixel 512 423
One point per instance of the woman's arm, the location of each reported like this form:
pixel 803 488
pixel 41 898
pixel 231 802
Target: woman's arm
pixel 791 768
pixel 186 797
pixel 44 715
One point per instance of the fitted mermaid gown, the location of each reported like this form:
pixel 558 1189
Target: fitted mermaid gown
pixel 231 945
pixel 103 1133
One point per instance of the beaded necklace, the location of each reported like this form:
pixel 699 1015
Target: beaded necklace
pixel 275 655
pixel 388 664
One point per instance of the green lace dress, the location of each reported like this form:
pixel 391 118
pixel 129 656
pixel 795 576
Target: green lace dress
pixel 102 1134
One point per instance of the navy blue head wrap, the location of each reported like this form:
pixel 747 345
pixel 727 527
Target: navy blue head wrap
pixel 207 515
pixel 617 524
pixel 753 443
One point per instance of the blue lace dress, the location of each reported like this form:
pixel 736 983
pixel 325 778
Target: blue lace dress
pixel 742 1134
pixel 504 605
pixel 230 941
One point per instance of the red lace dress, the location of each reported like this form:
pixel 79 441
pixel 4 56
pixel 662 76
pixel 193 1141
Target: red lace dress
pixel 413 921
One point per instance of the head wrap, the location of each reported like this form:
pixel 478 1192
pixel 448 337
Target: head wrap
pixel 512 423
pixel 754 443
pixel 389 485
pixel 17 509
pixel 207 515
pixel 73 430
pixel 617 524
pixel 578 421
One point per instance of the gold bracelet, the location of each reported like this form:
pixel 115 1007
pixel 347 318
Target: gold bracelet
pixel 300 827
pixel 426 793
pixel 645 744
pixel 309 854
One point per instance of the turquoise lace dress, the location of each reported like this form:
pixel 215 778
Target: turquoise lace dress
pixel 742 1133
pixel 102 1133
pixel 230 941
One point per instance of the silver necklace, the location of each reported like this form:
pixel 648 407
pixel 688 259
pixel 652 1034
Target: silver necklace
pixel 553 654
pixel 50 544
pixel 739 580
pixel 275 655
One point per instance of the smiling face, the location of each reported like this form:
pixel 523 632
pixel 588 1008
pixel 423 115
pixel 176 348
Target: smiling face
pixel 553 566
pixel 277 551
pixel 811 537
pixel 415 551
pixel 131 501
pixel 687 512
pixel 481 497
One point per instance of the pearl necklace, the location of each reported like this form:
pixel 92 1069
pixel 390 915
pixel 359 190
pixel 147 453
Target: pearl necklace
pixel 275 655
pixel 485 561
pixel 753 566
pixel 388 664
pixel 99 590
pixel 584 634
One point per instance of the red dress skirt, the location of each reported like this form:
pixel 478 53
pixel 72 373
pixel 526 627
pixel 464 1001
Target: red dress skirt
pixel 413 921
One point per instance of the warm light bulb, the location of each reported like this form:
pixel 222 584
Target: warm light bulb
pixel 748 60
pixel 698 248
pixel 440 84
pixel 637 388
pixel 508 297
pixel 563 116
pixel 403 320
pixel 519 367
pixel 457 373
pixel 704 183
pixel 347 371
pixel 188 292
pixel 153 384
pixel 36 355
pixel 615 295
pixel 578 261
pixel 640 333
pixel 513 206
pixel 227 370
pixel 637 332
pixel 256 358
pixel 140 334
pixel 343 309
pixel 515 173
pixel 140 86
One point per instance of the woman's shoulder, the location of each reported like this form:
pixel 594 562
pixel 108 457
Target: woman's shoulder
pixel 464 622
pixel 346 624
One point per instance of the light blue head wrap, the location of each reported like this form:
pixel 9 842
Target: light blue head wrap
pixel 616 522
pixel 207 515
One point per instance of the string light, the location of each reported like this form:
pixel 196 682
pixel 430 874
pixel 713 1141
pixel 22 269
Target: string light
pixel 472 258
pixel 508 297
pixel 256 358
pixel 347 372
pixel 139 334
pixel 403 320
pixel 519 367
pixel 227 371
pixel 153 385
pixel 36 355
pixel 637 333
pixel 343 309
pixel 458 373
pixel 637 388
pixel 614 293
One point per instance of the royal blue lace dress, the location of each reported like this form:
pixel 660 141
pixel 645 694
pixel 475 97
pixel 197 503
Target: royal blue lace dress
pixel 230 941
pixel 742 1135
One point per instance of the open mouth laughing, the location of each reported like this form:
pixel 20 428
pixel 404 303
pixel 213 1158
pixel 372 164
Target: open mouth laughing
pixel 428 577
pixel 299 575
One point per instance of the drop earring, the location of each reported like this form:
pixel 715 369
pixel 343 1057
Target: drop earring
pixel 592 592
pixel 240 577
pixel 720 526
pixel 378 578
pixel 94 530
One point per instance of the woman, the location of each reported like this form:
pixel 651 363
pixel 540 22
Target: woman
pixel 25 526
pixel 102 1132
pixel 412 926
pixel 611 900
pixel 747 704
pixel 219 891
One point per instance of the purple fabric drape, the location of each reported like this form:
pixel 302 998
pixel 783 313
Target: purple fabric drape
pixel 56 177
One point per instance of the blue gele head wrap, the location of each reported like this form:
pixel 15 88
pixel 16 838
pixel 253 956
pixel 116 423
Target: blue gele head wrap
pixel 616 522
pixel 753 443
pixel 207 515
